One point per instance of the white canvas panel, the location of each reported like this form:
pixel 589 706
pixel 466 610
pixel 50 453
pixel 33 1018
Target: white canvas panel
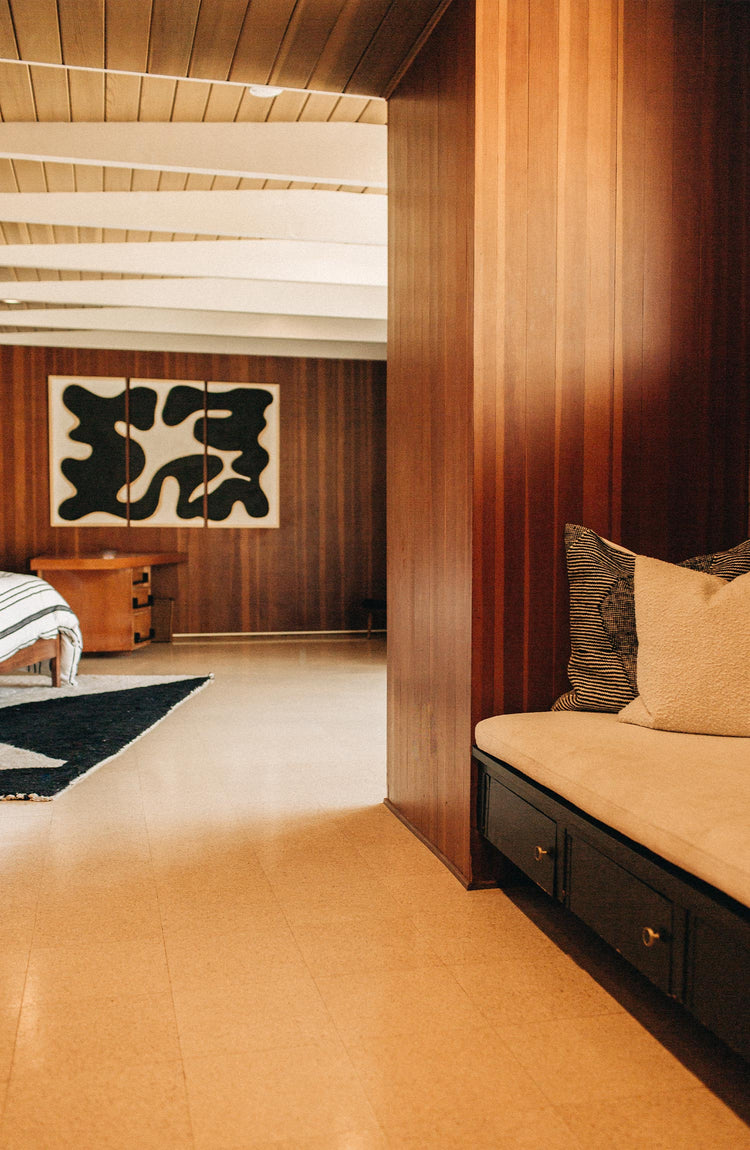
pixel 243 437
pixel 87 437
pixel 166 453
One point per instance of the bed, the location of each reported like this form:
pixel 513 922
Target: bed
pixel 37 624
pixel 642 834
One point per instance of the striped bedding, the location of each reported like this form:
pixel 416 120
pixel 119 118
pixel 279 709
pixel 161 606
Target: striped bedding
pixel 31 609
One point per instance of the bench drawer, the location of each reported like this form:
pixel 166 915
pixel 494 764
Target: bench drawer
pixel 524 835
pixel 627 913
pixel 717 993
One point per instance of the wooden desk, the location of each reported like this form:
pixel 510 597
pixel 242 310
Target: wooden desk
pixel 111 597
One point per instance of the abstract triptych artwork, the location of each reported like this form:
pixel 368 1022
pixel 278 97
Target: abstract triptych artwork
pixel 163 453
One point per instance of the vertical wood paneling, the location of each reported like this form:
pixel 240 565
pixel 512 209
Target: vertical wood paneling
pixel 310 574
pixel 553 282
pixel 725 147
pixel 539 512
pixel 600 163
pixel 608 377
pixel 488 574
pixel 429 444
pixel 631 271
pixel 692 264
pixel 571 314
pixel 513 376
pixel 650 434
pixel 686 131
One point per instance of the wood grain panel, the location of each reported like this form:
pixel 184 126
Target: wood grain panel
pixel 310 574
pixel 513 367
pixel 686 132
pixel 429 445
pixel 8 43
pixel 126 40
pixel 393 46
pixel 540 334
pixel 346 45
pixel 260 39
pixel 16 95
pixel 610 378
pixel 641 91
pixel 37 30
pixel 488 572
pixel 82 31
pixel 218 25
pixel 173 24
pixel 306 36
pixel 571 314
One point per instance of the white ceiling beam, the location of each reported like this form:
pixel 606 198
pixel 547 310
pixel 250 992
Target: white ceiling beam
pixel 329 217
pixel 211 344
pixel 258 91
pixel 296 260
pixel 200 323
pixel 322 153
pixel 265 297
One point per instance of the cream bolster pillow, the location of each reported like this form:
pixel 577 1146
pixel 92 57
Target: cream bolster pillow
pixel 693 667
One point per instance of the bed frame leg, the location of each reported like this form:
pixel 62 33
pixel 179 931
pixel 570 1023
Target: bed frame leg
pixel 54 665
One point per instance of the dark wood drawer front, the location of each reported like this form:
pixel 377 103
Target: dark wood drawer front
pixel 627 913
pixel 523 834
pixel 142 625
pixel 718 994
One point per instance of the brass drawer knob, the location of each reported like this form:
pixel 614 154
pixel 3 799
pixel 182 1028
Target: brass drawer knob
pixel 649 936
pixel 540 853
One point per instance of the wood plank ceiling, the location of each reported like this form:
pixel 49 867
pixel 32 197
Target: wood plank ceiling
pixel 158 65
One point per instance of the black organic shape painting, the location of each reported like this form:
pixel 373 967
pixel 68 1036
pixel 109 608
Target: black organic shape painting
pixel 157 453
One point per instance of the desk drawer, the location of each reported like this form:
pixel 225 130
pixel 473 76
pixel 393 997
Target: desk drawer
pixel 523 834
pixel 627 913
pixel 142 626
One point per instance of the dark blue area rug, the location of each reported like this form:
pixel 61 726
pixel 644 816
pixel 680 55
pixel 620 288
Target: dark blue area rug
pixel 50 738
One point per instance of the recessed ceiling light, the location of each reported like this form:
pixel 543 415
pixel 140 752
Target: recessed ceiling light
pixel 10 301
pixel 264 90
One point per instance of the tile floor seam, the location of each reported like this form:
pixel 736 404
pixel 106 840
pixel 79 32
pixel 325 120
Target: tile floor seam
pixel 166 961
pixel 682 1095
pixel 576 1143
pixel 341 1038
pixel 332 1020
pixel 22 996
pixel 493 1021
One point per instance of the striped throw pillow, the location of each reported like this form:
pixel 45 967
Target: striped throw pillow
pixel 603 639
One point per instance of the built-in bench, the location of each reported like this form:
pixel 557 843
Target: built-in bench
pixel 643 835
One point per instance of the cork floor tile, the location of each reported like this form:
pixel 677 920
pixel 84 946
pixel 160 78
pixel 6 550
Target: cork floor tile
pixel 685 1120
pixel 224 941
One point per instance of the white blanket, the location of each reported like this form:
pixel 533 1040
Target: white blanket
pixel 31 609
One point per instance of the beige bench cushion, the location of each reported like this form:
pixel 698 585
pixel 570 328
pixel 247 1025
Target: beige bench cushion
pixel 685 797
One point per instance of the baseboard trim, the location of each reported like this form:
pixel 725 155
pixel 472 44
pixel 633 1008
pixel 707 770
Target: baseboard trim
pixel 269 634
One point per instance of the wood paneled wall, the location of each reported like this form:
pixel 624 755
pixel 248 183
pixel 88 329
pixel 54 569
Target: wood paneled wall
pixel 309 574
pixel 430 439
pixel 609 382
pixel 611 377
